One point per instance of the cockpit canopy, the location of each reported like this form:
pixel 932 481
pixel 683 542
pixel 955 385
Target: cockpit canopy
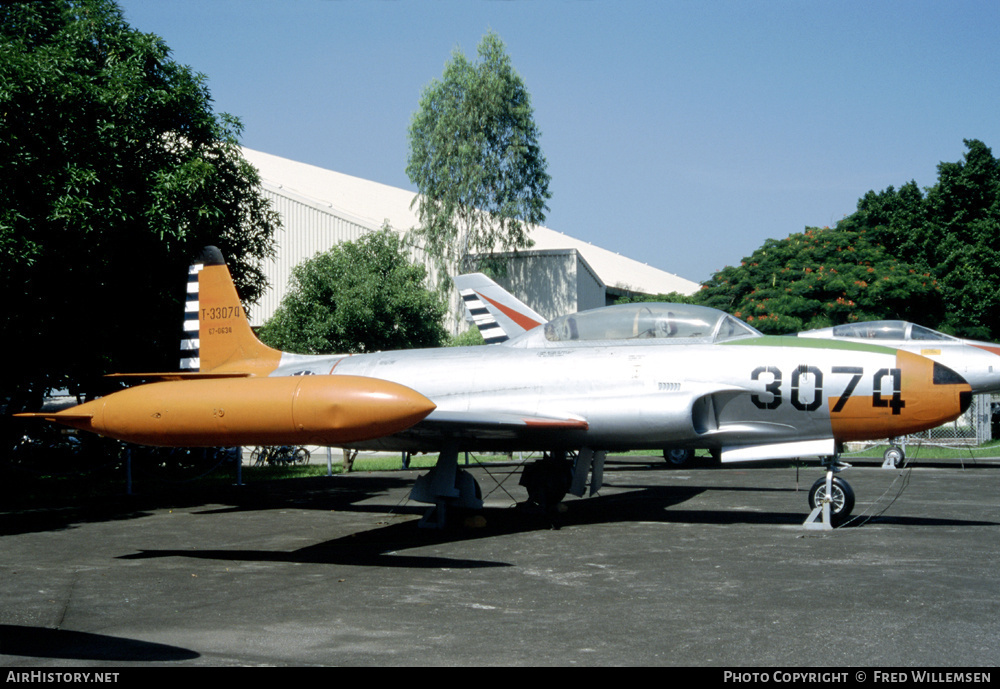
pixel 879 330
pixel 680 323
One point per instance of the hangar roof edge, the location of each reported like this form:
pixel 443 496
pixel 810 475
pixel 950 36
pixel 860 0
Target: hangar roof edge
pixel 374 202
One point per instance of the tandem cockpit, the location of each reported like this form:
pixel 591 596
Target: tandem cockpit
pixel 647 322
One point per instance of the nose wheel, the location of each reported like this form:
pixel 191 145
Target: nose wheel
pixel 831 499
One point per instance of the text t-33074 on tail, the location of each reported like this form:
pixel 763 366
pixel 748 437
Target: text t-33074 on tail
pixel 625 377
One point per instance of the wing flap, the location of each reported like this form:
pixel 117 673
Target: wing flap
pixel 500 421
pixel 485 429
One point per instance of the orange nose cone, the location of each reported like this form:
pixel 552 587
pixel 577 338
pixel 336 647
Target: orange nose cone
pixel 300 410
pixel 914 395
pixel 938 394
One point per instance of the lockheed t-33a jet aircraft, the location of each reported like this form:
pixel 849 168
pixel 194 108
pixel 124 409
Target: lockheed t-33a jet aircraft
pixel 627 377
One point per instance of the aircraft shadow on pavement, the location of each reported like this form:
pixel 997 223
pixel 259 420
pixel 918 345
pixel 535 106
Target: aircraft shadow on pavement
pixel 338 492
pixel 374 548
pixel 42 642
pixel 383 546
pixel 306 493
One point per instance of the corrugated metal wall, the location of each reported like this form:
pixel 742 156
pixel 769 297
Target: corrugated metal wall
pixel 307 229
pixel 553 282
pixel 544 280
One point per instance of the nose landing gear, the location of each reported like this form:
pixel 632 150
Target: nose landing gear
pixel 831 498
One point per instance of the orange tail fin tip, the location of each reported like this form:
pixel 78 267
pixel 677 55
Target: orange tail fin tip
pixel 217 335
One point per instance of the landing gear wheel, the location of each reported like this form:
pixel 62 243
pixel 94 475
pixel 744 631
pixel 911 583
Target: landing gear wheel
pixel 677 457
pixel 547 480
pixel 841 499
pixel 895 457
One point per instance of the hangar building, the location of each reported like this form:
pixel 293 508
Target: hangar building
pixel 320 208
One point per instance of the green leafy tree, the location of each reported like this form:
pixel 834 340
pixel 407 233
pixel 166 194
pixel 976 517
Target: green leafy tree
pixel 469 338
pixel 360 296
pixel 952 232
pixel 115 173
pixel 475 159
pixel 929 256
pixel 818 278
pixel 670 297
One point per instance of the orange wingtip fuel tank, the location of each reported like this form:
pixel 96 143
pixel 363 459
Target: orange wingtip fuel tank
pixel 316 410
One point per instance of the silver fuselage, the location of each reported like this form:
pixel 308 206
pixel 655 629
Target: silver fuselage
pixel 637 395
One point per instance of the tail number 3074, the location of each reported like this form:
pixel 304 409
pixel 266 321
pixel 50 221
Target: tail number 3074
pixel 806 389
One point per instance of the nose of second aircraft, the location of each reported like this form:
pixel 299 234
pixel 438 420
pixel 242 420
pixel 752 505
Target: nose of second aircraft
pixel 982 366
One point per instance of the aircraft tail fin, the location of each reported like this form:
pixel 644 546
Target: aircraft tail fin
pixel 217 335
pixel 497 313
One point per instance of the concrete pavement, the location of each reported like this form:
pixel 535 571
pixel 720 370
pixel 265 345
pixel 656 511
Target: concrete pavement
pixel 700 567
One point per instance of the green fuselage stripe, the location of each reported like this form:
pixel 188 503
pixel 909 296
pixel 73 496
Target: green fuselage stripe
pixel 808 343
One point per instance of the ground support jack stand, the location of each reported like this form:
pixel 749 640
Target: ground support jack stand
pixel 822 511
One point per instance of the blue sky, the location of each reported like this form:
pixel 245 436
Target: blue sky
pixel 679 133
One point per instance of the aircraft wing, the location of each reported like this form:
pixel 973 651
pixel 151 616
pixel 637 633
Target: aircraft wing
pixel 497 425
pixel 487 428
pixel 497 313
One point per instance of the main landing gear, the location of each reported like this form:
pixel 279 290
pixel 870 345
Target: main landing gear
pixel 831 498
pixel 684 458
pixel 447 488
pixel 678 457
pixel 548 480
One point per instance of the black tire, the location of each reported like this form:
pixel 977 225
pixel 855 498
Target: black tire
pixel 842 499
pixel 301 456
pixel 547 481
pixel 896 456
pixel 678 457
